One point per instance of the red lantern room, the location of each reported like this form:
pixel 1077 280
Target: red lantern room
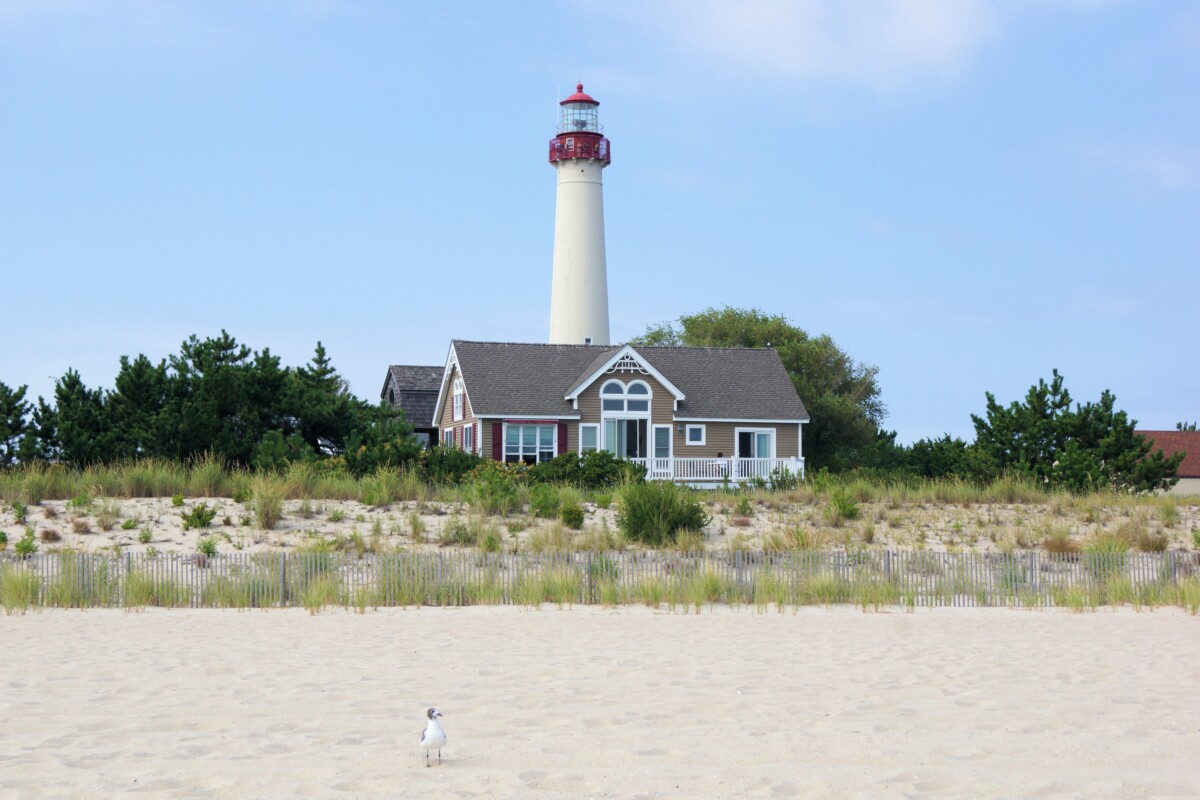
pixel 580 134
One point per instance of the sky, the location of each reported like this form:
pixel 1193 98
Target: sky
pixel 966 194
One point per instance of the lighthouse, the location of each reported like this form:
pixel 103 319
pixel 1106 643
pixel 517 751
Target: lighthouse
pixel 579 287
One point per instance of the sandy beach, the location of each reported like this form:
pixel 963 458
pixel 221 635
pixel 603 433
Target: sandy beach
pixel 588 702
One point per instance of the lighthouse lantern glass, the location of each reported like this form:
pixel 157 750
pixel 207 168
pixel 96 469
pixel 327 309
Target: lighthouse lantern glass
pixel 579 118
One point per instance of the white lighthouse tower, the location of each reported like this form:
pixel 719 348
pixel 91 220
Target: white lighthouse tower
pixel 579 290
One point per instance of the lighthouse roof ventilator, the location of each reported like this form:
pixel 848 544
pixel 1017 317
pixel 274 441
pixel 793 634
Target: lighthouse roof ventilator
pixel 579 287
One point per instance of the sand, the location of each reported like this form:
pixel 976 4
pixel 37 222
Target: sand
pixel 589 702
pixel 58 524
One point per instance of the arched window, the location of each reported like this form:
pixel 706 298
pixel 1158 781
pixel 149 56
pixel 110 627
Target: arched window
pixel 458 398
pixel 632 398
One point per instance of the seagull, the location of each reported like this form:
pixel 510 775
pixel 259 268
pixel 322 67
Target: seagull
pixel 433 737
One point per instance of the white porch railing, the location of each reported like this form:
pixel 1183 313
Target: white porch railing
pixel 717 470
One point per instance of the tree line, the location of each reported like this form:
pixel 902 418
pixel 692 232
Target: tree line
pixel 1043 438
pixel 216 396
pixel 220 397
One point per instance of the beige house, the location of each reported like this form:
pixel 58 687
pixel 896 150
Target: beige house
pixel 689 414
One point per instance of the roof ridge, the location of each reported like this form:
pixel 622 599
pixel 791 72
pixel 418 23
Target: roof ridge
pixel 615 346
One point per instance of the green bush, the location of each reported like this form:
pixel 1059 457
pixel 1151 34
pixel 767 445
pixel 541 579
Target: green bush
pixel 207 546
pixel 544 500
pixel 199 517
pixel 596 470
pixel 20 511
pixel 572 515
pixel 447 465
pixel 654 512
pixel 3 540
pixel 129 524
pixel 177 501
pixel 493 489
pixel 26 546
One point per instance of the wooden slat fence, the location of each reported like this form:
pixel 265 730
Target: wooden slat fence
pixel 867 578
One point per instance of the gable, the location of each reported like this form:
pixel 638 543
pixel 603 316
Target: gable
pixel 623 361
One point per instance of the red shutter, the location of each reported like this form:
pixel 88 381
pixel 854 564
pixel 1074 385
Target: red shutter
pixel 497 441
pixel 562 438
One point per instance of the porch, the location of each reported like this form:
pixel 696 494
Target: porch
pixel 715 471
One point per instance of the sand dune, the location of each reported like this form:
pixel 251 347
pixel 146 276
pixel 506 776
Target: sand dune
pixel 588 702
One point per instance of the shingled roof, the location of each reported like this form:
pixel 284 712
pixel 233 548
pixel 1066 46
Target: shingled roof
pixel 1172 442
pixel 717 382
pixel 416 391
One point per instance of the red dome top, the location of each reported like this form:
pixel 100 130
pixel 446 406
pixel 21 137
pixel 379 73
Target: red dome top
pixel 580 97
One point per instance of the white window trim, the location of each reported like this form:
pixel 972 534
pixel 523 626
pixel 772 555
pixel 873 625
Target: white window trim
pixel 456 399
pixel 536 445
pixel 670 440
pixel 594 426
pixel 626 414
pixel 774 439
pixel 448 433
pixel 687 435
pixel 469 437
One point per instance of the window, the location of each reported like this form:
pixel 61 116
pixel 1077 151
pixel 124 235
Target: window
pixel 634 398
pixel 468 433
pixel 626 412
pixel 530 443
pixel 458 398
pixel 626 438
pixel 448 437
pixel 755 443
pixel 589 438
pixel 695 434
pixel 662 441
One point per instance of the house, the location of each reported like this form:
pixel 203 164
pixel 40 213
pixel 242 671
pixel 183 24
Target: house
pixel 690 414
pixel 1172 442
pixel 414 390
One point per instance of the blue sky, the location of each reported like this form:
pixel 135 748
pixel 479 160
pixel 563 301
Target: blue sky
pixel 964 193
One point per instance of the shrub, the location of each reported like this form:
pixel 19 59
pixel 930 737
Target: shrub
pixel 572 516
pixel 1149 542
pixel 144 535
pixel 200 516
pixel 20 511
pixel 654 512
pixel 49 535
pixel 1196 538
pixel 26 546
pixel 337 515
pixel 493 489
pixel 177 500
pixel 129 524
pixel 207 546
pixel 3 540
pixel 544 501
pixel 743 508
pixel 80 525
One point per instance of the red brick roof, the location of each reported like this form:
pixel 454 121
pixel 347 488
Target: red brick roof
pixel 1172 442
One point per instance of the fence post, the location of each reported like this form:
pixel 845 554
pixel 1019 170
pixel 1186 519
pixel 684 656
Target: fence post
pixel 591 595
pixel 1171 561
pixel 887 564
pixel 282 579
pixel 737 565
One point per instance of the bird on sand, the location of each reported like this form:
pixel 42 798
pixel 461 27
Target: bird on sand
pixel 433 737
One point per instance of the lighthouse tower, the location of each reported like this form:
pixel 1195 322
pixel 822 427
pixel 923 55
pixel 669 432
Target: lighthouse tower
pixel 579 289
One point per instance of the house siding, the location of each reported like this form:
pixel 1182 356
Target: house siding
pixel 719 437
pixel 447 418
